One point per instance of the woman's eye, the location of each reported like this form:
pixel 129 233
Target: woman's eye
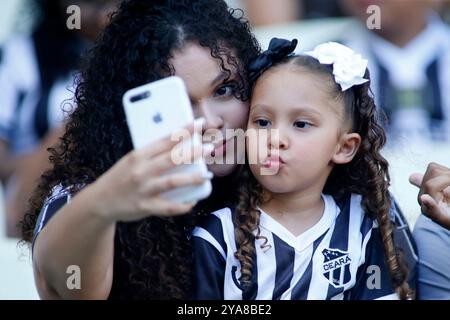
pixel 262 122
pixel 302 124
pixel 225 90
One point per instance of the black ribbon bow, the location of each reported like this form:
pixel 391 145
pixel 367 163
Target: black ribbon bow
pixel 278 50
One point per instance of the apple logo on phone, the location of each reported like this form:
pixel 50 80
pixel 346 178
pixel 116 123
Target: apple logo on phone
pixel 157 118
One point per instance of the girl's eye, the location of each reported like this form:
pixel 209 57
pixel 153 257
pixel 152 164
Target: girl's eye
pixel 225 90
pixel 302 124
pixel 262 123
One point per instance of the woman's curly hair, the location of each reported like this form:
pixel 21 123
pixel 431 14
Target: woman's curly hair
pixel 153 254
pixel 367 174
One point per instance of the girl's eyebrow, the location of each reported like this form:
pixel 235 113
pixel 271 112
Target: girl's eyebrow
pixel 293 110
pixel 262 108
pixel 305 110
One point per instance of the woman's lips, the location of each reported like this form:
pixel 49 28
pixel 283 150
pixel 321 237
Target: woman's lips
pixel 219 148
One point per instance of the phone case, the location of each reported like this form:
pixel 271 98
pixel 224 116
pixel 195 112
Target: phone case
pixel 154 111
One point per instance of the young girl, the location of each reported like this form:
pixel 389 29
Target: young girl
pixel 314 219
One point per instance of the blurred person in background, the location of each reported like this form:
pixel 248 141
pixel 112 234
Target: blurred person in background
pixel 36 72
pixel 445 10
pixel 266 12
pixel 410 57
pixel 319 9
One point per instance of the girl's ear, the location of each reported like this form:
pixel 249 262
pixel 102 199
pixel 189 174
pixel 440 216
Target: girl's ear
pixel 347 148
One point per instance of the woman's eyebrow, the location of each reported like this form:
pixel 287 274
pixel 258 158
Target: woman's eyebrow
pixel 219 78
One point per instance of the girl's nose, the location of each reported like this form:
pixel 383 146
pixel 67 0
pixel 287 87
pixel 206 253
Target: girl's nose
pixel 278 140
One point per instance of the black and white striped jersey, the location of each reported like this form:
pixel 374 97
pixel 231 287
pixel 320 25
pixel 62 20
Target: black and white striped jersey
pixel 59 197
pixel 341 257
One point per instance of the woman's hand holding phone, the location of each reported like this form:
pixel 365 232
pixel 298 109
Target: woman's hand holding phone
pixel 131 189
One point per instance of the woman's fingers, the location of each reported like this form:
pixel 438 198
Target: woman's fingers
pixel 167 143
pixel 172 181
pixel 142 175
pixel 163 207
pixel 180 155
pixel 151 203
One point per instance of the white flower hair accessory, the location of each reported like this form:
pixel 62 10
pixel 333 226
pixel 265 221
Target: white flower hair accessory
pixel 348 66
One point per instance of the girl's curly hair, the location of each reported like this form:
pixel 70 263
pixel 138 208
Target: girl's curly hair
pixel 153 254
pixel 367 174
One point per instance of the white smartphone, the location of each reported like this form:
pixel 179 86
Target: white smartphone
pixel 155 110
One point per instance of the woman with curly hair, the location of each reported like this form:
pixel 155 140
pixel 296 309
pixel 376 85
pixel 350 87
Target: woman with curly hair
pixel 314 218
pixel 98 207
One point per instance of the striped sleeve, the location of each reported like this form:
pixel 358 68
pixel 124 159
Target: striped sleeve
pixel 210 252
pixel 59 197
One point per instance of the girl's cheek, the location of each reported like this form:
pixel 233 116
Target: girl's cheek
pixel 251 145
pixel 256 149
